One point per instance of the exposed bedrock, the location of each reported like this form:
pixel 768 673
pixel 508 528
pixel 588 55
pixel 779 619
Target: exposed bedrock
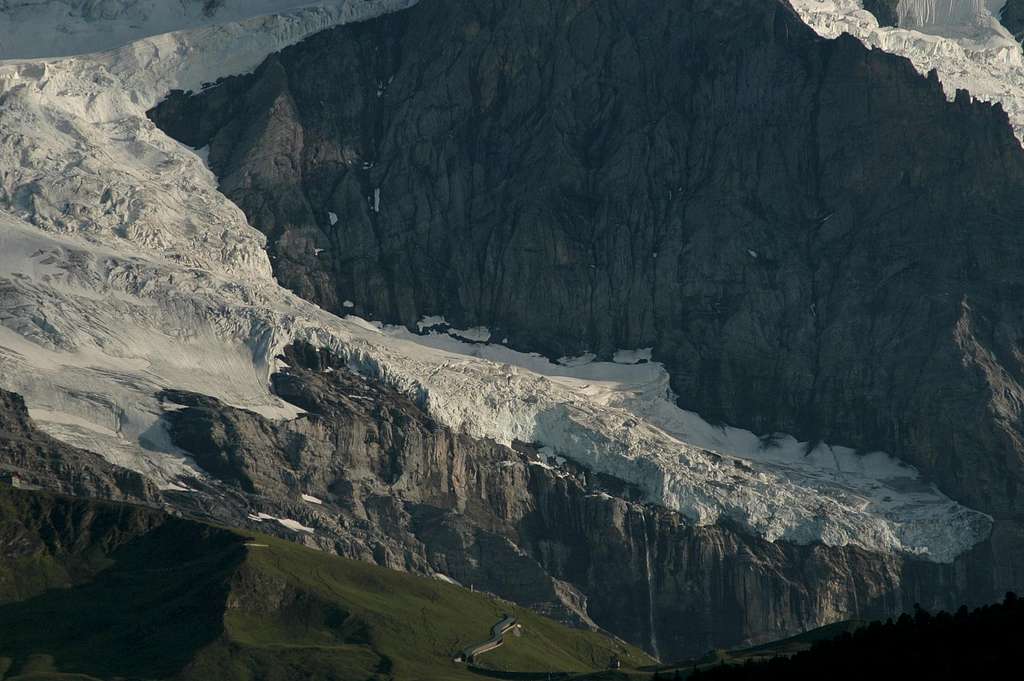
pixel 398 489
pixel 813 239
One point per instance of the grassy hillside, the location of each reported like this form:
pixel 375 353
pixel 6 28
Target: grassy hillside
pixel 167 598
pixel 375 622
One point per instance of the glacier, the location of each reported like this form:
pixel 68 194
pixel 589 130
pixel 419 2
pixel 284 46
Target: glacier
pixel 125 271
pixel 961 40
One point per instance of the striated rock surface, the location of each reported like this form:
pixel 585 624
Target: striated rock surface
pixel 810 235
pixel 1012 17
pixel 374 478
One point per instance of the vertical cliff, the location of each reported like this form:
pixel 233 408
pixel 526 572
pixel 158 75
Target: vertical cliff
pixel 392 486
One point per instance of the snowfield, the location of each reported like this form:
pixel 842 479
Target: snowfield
pixel 125 271
pixel 962 40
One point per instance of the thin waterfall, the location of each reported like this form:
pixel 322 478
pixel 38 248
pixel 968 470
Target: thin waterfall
pixel 650 589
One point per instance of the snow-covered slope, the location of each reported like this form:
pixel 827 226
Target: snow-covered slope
pixel 961 39
pixel 125 271
pixel 124 268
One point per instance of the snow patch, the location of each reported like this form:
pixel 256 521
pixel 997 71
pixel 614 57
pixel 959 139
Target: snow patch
pixel 477 334
pixel 632 356
pixel 446 579
pixel 294 525
pixel 311 499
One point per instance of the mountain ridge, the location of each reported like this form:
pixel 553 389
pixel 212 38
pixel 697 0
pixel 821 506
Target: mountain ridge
pixel 834 278
pixel 141 319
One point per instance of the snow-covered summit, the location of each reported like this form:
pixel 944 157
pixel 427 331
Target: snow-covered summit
pixel 125 271
pixel 961 39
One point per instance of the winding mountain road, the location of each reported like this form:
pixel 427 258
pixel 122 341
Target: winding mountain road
pixel 505 625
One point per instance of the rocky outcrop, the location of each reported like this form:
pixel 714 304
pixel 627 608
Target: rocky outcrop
pixel 813 239
pixel 30 458
pixel 383 482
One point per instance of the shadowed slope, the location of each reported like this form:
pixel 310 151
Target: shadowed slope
pixel 133 593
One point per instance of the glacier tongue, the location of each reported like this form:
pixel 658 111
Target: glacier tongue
pixel 962 40
pixel 620 419
pixel 125 271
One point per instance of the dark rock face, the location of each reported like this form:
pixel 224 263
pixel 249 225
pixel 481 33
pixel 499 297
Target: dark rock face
pixel 33 459
pixel 811 237
pixel 400 490
pixel 884 10
pixel 1012 17
pixel 110 589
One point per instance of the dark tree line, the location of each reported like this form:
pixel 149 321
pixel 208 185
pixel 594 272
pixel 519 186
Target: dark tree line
pixel 986 643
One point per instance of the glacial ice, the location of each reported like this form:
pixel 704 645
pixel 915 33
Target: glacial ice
pixel 621 419
pixel 125 271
